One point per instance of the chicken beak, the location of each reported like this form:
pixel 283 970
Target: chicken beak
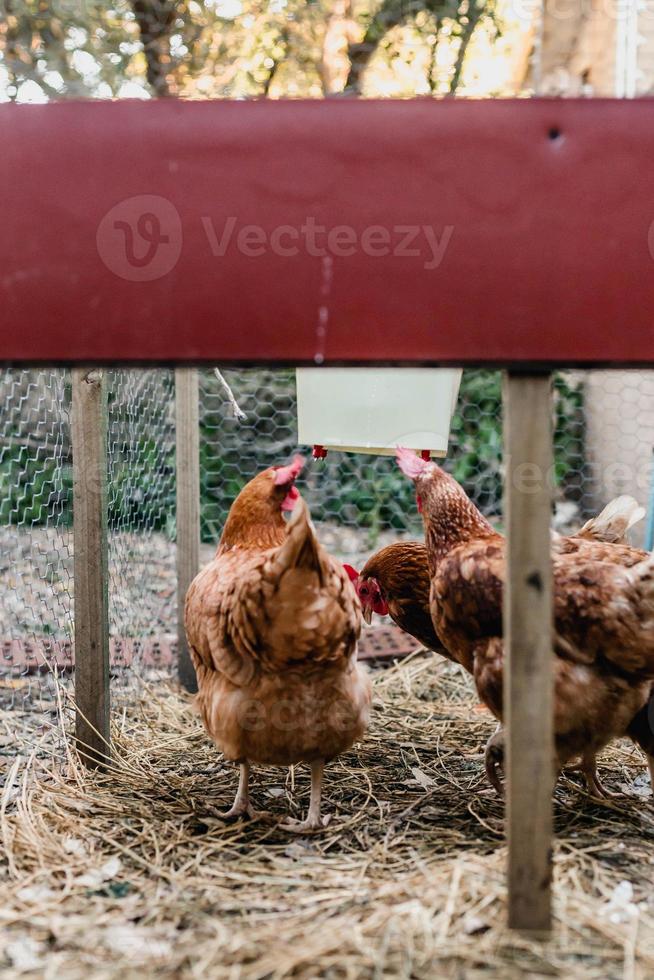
pixel 367 614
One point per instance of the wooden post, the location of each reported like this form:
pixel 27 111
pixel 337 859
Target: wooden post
pixel 89 438
pixel 528 685
pixel 188 505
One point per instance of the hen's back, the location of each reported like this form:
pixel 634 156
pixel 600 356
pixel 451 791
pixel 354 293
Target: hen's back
pixel 274 635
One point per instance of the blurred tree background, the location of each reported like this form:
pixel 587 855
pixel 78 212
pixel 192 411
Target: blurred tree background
pixel 253 48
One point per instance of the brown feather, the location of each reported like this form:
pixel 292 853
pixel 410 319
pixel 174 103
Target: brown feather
pixel 603 612
pixel 403 574
pixel 273 624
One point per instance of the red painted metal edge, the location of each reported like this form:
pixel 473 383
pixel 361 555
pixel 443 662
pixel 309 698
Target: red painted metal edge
pixel 515 231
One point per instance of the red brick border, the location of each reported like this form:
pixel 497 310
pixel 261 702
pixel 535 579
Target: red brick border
pixel 381 643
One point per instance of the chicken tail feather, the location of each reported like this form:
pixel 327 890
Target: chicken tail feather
pixel 614 521
pixel 301 548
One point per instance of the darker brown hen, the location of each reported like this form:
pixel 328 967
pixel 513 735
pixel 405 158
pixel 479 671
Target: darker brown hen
pixel 400 575
pixel 396 581
pixel 603 610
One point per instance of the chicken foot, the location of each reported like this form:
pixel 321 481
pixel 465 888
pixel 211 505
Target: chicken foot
pixel 314 821
pixel 494 763
pixel 594 785
pixel 242 806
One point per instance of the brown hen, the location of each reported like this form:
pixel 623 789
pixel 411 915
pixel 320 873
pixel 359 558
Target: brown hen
pixel 272 625
pixel 603 612
pixel 395 581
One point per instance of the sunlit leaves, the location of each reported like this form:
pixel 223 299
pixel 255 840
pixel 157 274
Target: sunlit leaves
pixel 230 48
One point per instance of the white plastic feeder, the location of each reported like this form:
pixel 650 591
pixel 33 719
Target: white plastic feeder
pixel 375 410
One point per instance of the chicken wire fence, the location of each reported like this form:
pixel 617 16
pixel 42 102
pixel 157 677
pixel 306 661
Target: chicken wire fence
pixel 604 434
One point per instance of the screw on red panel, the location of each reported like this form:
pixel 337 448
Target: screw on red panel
pixel 425 454
pixel 319 452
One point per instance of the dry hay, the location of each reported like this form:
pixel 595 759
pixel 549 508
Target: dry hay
pixel 131 874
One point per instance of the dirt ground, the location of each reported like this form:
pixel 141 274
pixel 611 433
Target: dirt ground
pixel 134 874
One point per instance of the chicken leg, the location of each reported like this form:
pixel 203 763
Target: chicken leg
pixel 494 760
pixel 242 806
pixel 314 821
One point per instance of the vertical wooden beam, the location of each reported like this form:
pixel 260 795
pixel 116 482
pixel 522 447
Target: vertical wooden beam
pixel 187 400
pixel 528 685
pixel 89 438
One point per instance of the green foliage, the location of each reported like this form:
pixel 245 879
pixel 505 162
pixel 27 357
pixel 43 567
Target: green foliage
pixel 363 491
pixel 140 489
pixel 231 452
pixel 141 450
pixel 475 458
pixel 225 48
pixel 69 48
pixel 366 492
pixel 569 435
pixel 34 488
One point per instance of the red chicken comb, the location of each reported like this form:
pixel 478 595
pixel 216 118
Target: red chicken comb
pixel 352 572
pixel 286 474
pixel 410 464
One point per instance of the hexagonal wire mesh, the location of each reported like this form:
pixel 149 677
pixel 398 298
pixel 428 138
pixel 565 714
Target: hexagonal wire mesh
pixel 36 535
pixel 604 434
pixel 141 519
pixel 35 531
